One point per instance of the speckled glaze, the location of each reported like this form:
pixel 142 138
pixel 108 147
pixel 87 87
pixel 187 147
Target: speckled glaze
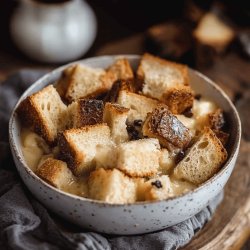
pixel 141 217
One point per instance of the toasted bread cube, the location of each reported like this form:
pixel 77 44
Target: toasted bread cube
pixel 159 75
pixel 55 172
pixel 115 116
pixel 216 120
pixel 62 84
pixel 178 99
pixel 213 32
pixel 139 105
pixel 139 158
pixel 111 186
pixel 121 69
pixel 166 161
pixel 44 112
pixel 222 136
pixel 207 114
pixel 203 160
pixel 85 82
pixel 119 85
pixel 85 112
pixel 159 188
pixel 78 146
pixel 164 126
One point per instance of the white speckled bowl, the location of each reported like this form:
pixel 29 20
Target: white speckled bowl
pixel 141 217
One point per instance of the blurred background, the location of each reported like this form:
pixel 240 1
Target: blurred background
pixel 126 26
pixel 211 36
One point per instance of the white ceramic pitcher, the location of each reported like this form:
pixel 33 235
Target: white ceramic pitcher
pixel 53 32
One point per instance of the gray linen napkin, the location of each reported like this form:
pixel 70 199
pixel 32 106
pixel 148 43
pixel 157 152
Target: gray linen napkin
pixel 26 224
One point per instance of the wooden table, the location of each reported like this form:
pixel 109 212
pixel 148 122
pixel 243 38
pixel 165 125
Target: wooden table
pixel 230 225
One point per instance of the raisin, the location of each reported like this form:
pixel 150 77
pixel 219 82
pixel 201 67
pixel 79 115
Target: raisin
pixel 197 97
pixel 188 112
pixel 138 123
pixel 179 156
pixel 156 183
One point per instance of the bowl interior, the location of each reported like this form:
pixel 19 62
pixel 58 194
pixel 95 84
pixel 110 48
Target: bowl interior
pixel 201 85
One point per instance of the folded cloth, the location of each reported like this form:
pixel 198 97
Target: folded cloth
pixel 26 224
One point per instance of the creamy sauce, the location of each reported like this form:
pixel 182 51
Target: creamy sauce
pixel 36 151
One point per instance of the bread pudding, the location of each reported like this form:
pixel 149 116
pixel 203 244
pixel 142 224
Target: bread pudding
pixel 121 136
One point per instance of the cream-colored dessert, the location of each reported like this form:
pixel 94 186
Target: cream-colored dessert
pixel 128 146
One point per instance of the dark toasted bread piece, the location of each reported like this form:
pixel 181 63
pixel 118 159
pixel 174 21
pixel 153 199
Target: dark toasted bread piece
pixel 118 86
pixel 179 99
pixel 44 113
pixel 85 112
pixel 216 120
pixel 164 126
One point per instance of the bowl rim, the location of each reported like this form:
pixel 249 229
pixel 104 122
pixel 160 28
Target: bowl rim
pixel 14 147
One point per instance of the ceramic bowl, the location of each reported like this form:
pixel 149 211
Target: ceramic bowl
pixel 140 217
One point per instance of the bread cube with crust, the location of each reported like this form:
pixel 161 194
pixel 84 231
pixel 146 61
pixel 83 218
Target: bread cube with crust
pixel 159 188
pixel 166 81
pixel 139 158
pixel 55 172
pixel 164 126
pixel 115 116
pixel 85 112
pixel 111 186
pixel 44 113
pixel 78 146
pixel 179 99
pixel 139 105
pixel 203 160
pixel 85 82
pixel 119 85
pixel 120 69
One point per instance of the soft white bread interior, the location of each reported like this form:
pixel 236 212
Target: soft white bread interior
pixel 55 172
pixel 139 105
pixel 115 116
pixel 203 160
pixel 139 158
pixel 44 112
pixel 111 186
pixel 78 146
pixel 166 162
pixel 85 82
pixel 167 81
pixel 164 126
pixel 119 70
pixel 159 188
pixel 106 156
